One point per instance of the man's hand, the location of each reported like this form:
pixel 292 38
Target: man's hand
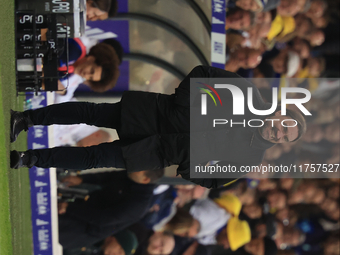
pixel 61 88
pixel 192 249
pixel 154 208
pixel 62 207
pixel 72 181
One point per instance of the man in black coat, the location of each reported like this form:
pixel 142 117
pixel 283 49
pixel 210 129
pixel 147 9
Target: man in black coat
pixel 123 200
pixel 124 243
pixel 154 132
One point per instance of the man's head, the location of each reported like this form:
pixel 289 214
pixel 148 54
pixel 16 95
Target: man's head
pixel 273 130
pixel 261 246
pixel 122 243
pixel 247 58
pixel 101 9
pixel 277 199
pixel 183 224
pixel 290 7
pixel 292 236
pixel 235 235
pixel 303 25
pixel 279 63
pixel 253 211
pixel 161 243
pixel 316 66
pixel 250 5
pixel 265 17
pixel 321 22
pixel 118 48
pixel 146 176
pixel 88 69
pixel 99 68
pixel 186 193
pixel 316 37
pixel 317 9
pixel 287 62
pixel 239 19
pixel 301 47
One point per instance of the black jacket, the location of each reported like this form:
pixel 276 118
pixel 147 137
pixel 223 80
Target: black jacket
pixel 120 203
pixel 156 129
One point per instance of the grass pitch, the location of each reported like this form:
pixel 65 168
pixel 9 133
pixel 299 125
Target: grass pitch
pixel 15 212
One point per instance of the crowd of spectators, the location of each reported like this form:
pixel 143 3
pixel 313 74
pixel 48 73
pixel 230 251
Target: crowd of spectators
pixel 259 217
pixel 292 44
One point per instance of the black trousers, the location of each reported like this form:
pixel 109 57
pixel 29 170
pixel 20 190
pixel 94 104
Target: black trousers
pixel 80 158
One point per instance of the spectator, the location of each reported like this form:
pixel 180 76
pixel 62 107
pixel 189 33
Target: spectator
pixel 301 47
pixel 316 37
pixel 160 243
pixel 101 9
pixel 123 200
pixel 276 199
pixel 257 5
pixel 290 7
pixel 243 58
pixel 183 224
pixel 98 70
pixel 317 9
pixel 261 246
pixel 122 243
pixel 287 63
pixel 239 19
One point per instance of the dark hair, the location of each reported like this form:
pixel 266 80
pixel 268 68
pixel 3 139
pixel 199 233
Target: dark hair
pixel 324 4
pixel 284 192
pixel 269 246
pixel 273 14
pixel 308 44
pixel 182 219
pixel 107 58
pixel 113 9
pixel 252 15
pixel 117 47
pixel 103 5
pixel 154 175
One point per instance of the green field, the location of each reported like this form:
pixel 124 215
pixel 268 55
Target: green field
pixel 15 215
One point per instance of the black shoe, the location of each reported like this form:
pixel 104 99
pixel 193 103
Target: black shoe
pixel 22 159
pixel 19 122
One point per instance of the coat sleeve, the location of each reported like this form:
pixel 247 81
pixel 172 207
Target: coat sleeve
pixel 119 216
pixel 101 219
pixel 184 98
pixel 103 179
pixel 183 91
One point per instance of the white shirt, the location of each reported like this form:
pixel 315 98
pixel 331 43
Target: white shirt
pixel 211 218
pixel 71 84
